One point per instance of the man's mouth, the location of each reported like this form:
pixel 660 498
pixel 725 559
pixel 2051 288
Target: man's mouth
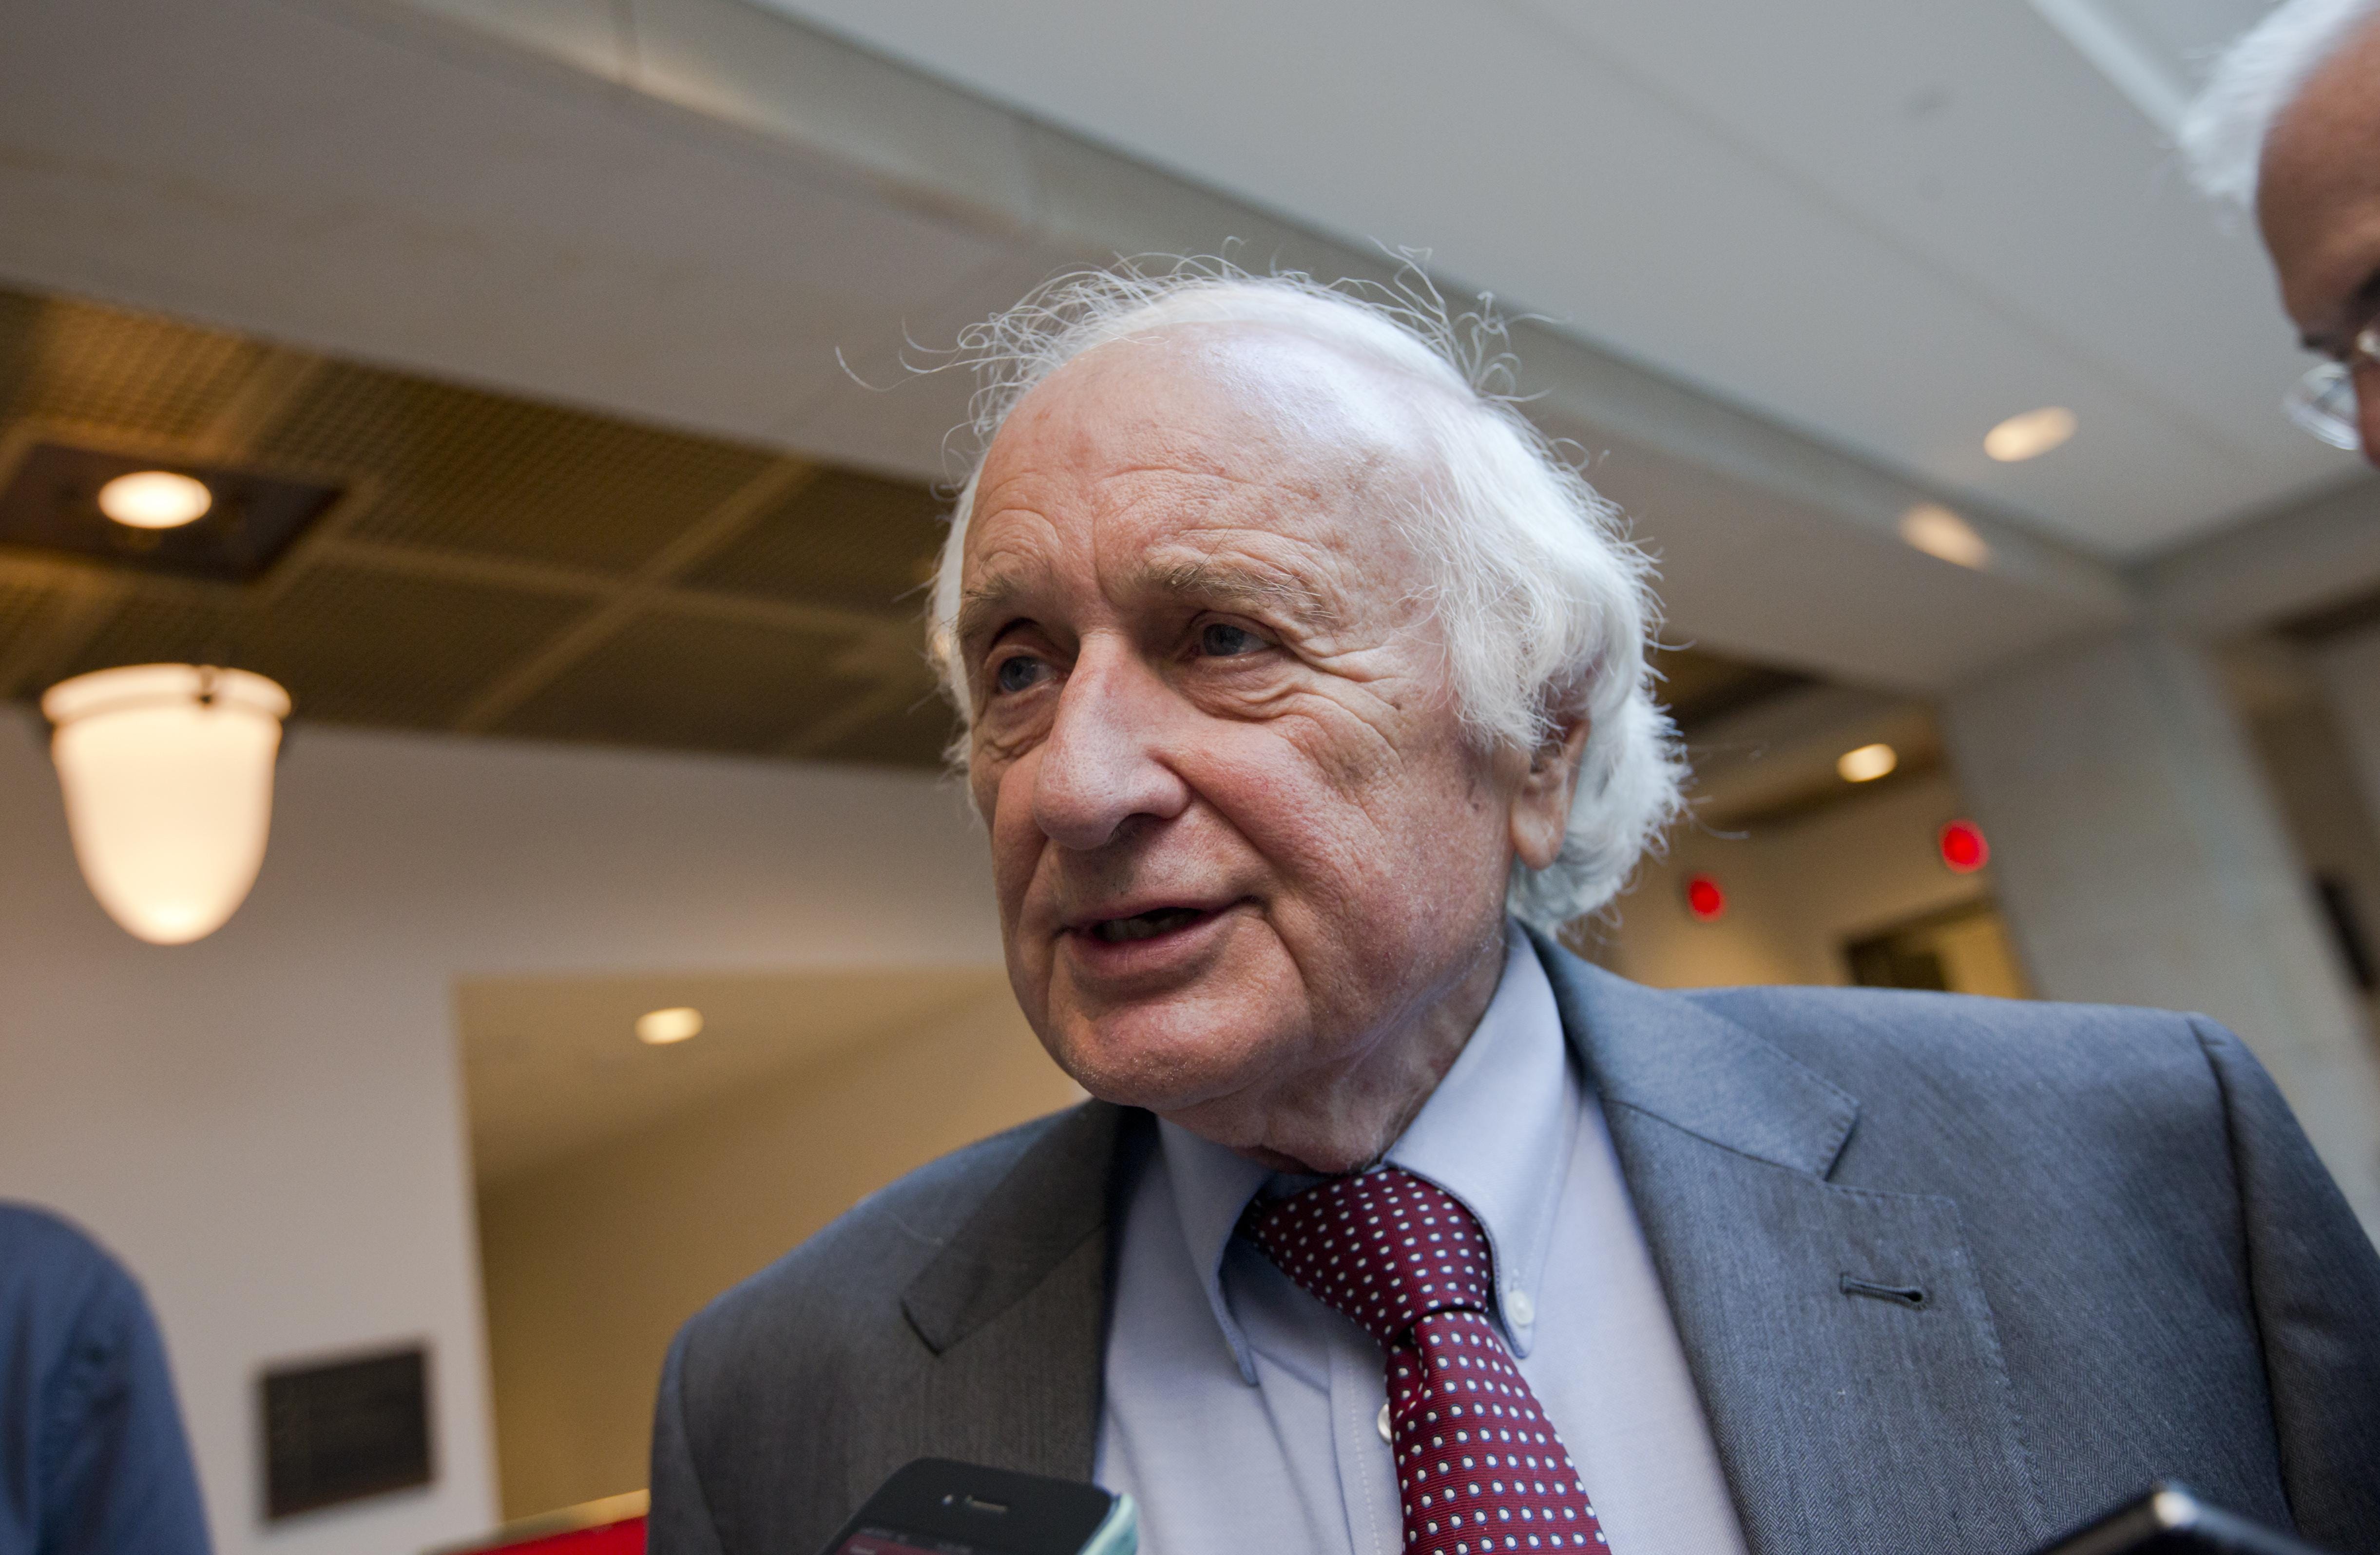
pixel 1143 925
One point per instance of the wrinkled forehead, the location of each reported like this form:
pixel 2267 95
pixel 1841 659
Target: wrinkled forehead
pixel 1236 403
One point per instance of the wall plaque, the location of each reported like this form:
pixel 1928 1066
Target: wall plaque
pixel 340 1431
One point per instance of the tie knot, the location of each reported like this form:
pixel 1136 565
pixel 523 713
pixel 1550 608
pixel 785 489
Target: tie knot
pixel 1387 1248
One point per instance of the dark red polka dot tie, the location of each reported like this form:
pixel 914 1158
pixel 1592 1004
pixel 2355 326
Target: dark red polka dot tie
pixel 1479 1467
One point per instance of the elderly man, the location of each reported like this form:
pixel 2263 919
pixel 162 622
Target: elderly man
pixel 1306 695
pixel 2289 122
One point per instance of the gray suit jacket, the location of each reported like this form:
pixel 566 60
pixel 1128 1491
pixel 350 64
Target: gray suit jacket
pixel 2119 1257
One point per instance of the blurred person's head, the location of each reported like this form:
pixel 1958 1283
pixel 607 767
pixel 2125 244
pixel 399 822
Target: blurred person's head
pixel 1291 659
pixel 2290 124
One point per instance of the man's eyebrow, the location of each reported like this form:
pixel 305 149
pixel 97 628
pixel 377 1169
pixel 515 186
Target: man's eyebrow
pixel 1219 583
pixel 979 605
pixel 1210 582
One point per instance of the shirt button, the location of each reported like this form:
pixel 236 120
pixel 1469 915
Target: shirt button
pixel 1384 1427
pixel 1519 1309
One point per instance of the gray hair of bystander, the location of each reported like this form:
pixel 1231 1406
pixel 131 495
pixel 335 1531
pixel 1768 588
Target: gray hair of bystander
pixel 1542 602
pixel 2222 135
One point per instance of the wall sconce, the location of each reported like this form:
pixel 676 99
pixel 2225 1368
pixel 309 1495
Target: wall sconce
pixel 167 772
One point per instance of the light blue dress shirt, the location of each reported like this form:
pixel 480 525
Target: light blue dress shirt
pixel 1245 1416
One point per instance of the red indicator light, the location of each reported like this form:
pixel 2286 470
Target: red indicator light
pixel 1963 847
pixel 1704 899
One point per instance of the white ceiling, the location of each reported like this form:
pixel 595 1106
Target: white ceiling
pixel 1889 224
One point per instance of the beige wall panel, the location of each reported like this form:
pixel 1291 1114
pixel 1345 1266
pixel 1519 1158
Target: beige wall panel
pixel 593 1262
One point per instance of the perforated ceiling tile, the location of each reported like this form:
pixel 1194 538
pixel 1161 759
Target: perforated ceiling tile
pixel 164 626
pixel 355 646
pixel 914 735
pixel 459 469
pixel 842 539
pixel 681 680
pixel 24 609
pixel 351 647
pixel 141 377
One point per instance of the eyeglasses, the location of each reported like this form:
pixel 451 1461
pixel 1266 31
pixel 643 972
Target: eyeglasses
pixel 2322 401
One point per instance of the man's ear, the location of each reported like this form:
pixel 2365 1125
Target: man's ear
pixel 1540 816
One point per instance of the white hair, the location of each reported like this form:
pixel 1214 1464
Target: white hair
pixel 1543 604
pixel 2222 133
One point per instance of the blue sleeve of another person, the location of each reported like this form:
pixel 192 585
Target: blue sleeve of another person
pixel 92 1459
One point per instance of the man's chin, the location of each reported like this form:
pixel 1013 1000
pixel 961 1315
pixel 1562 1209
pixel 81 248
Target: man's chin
pixel 1167 1091
pixel 1171 1073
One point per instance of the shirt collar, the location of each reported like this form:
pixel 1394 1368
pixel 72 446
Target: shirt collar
pixel 1496 1133
pixel 1212 1185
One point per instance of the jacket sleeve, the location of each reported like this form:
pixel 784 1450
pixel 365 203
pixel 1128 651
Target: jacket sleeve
pixel 680 1521
pixel 114 1468
pixel 2314 1279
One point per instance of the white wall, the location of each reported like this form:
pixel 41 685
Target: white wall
pixel 266 1125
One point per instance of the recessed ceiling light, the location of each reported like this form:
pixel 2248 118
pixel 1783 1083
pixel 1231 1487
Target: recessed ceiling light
pixel 2031 435
pixel 1868 763
pixel 1941 533
pixel 661 1026
pixel 155 499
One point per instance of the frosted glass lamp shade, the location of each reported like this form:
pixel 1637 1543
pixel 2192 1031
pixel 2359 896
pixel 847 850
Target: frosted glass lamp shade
pixel 167 770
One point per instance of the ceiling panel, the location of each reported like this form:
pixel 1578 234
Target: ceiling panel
pixel 708 685
pixel 841 538
pixel 163 626
pixel 353 646
pixel 456 468
pixel 62 361
pixel 913 732
pixel 407 652
pixel 494 561
pixel 25 610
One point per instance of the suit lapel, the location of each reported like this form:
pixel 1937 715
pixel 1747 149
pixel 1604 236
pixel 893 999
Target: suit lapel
pixel 1014 1307
pixel 1838 1336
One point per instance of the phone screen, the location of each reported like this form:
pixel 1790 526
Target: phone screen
pixel 876 1541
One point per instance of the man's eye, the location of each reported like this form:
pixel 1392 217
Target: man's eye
pixel 1019 672
pixel 1223 640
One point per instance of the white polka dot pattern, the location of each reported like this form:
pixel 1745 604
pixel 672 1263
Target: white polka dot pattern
pixel 1480 1469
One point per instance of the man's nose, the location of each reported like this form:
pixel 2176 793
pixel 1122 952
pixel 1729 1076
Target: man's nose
pixel 1101 765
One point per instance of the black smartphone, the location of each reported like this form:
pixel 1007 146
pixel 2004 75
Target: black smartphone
pixel 936 1506
pixel 2171 1520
